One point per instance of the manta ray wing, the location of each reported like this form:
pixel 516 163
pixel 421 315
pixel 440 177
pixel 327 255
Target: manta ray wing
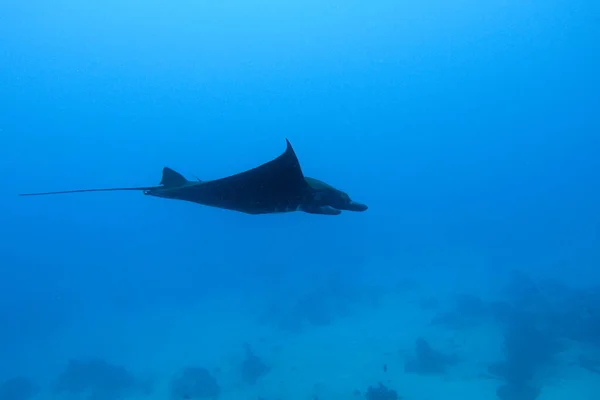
pixel 275 186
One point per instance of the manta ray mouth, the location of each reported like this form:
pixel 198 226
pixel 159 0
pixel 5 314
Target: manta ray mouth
pixel 353 206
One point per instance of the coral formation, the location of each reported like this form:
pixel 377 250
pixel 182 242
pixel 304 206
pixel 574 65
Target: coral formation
pixel 194 383
pixel 100 380
pixel 381 392
pixel 428 361
pixel 252 367
pixel 18 388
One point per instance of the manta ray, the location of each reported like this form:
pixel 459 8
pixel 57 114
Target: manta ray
pixel 277 186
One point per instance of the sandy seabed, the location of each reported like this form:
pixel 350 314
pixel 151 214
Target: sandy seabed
pixel 333 362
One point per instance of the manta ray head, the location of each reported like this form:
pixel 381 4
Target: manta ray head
pixel 327 200
pixel 339 200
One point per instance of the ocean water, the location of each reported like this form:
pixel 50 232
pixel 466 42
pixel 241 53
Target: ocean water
pixel 471 129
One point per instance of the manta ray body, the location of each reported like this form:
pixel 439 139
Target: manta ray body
pixel 274 187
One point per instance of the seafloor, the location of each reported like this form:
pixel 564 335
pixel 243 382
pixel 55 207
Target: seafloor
pixel 409 340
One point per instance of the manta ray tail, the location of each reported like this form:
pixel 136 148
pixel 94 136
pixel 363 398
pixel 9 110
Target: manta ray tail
pixel 91 190
pixel 170 178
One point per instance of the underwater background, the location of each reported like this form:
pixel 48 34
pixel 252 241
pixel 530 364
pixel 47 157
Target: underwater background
pixel 470 128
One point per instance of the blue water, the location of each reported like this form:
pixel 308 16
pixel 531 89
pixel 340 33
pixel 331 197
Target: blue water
pixel 470 128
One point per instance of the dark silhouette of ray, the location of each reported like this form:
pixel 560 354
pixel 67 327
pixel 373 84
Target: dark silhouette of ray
pixel 274 187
